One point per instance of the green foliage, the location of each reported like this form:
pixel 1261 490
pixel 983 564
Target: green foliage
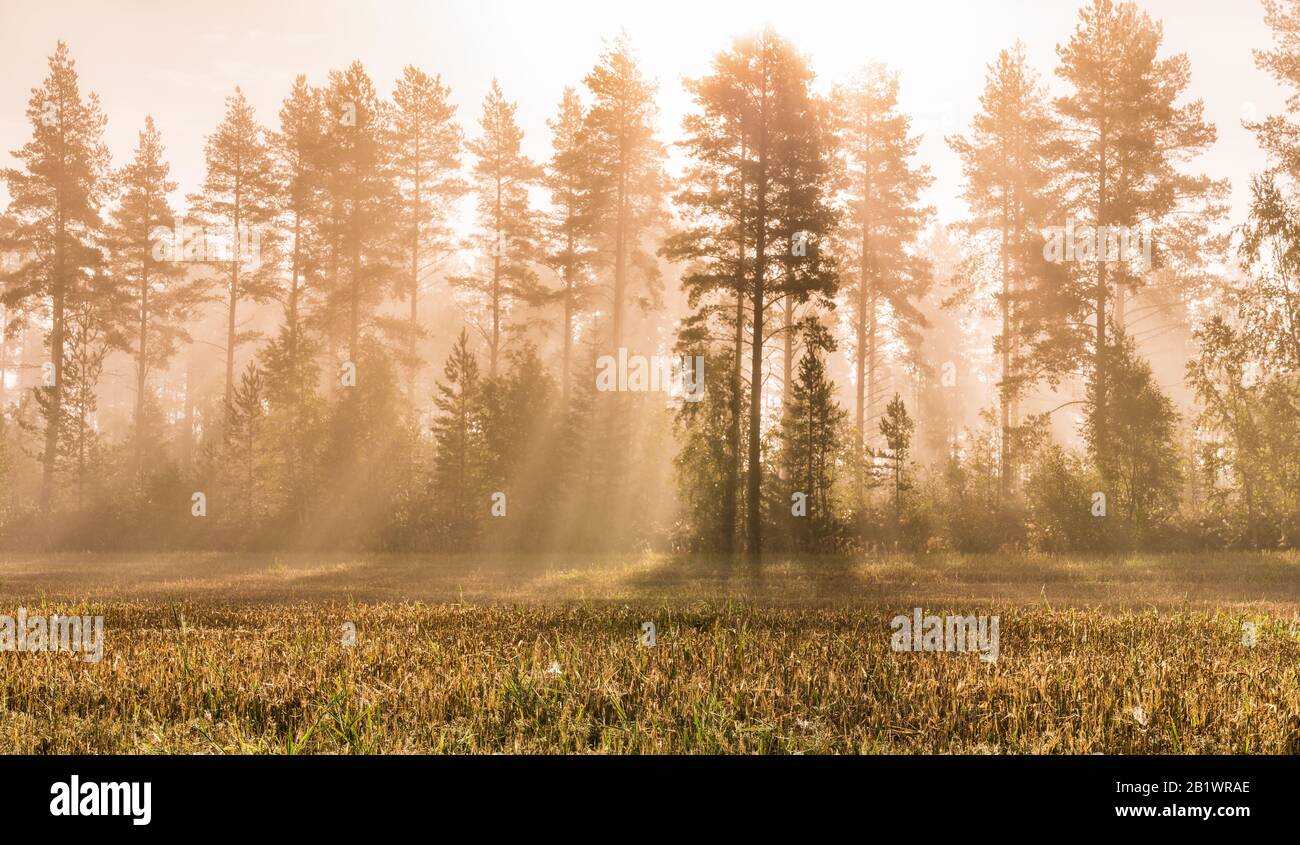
pixel 897 427
pixel 1135 449
pixel 976 516
pixel 1058 499
pixel 703 456
pixel 459 480
pixel 811 448
pixel 1247 378
pixel 519 442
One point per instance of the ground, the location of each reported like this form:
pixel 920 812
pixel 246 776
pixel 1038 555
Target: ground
pixel 224 653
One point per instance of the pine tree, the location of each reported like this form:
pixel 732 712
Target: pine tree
pixel 629 183
pixel 715 203
pixel 508 236
pixel 243 458
pixel 361 202
pixel 1009 163
pixel 88 345
pixel 760 128
pixel 810 439
pixel 1126 134
pixel 896 427
pixel 881 227
pixel 54 203
pixel 520 449
pixel 289 360
pixel 426 143
pixel 706 462
pixel 571 226
pixel 1278 134
pixel 156 298
pixel 235 205
pixel 1138 459
pixel 298 151
pixel 295 420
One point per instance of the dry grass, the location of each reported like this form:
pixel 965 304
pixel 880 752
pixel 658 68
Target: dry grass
pixel 797 662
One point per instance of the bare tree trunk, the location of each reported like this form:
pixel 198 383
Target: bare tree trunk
pixel 566 375
pixel 731 502
pixel 234 299
pixel 498 247
pixel 414 366
pixel 354 330
pixel 187 441
pixel 787 362
pixel 865 353
pixel 754 524
pixel 56 356
pixel 1004 474
pixel 142 374
pixel 860 364
pixel 1099 354
pixel 620 257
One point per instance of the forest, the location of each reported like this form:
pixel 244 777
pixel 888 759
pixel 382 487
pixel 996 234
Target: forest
pixel 378 325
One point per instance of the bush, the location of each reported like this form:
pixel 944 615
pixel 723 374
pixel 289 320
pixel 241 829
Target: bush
pixel 1058 498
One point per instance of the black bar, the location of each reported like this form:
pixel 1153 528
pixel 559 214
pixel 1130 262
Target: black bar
pixel 640 795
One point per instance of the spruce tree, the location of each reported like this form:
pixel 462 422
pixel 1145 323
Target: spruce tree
pixel 460 489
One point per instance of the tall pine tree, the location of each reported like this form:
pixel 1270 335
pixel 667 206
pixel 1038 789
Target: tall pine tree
pixel 425 143
pixel 884 218
pixel 762 128
pixel 235 205
pixel 54 203
pixel 1009 164
pixel 507 241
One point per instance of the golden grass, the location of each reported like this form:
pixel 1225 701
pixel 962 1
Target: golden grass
pixel 242 654
pixel 736 678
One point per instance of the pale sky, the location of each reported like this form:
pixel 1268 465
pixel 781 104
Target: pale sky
pixel 178 61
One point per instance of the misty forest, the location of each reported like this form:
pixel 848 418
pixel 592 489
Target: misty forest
pixel 377 325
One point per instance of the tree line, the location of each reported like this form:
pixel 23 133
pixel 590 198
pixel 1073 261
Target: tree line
pixel 320 250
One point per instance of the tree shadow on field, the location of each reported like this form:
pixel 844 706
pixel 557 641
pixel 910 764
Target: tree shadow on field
pixel 779 579
pixel 694 576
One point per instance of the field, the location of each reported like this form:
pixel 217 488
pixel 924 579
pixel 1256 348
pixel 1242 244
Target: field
pixel 245 654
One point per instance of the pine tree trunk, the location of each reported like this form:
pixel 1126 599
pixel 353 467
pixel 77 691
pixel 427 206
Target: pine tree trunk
pixel 1004 474
pixel 142 374
pixel 566 374
pixel 620 258
pixel 754 488
pixel 731 495
pixel 787 362
pixel 1099 354
pixel 56 356
pixel 234 299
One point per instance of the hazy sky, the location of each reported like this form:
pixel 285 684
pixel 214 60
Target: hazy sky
pixel 178 60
